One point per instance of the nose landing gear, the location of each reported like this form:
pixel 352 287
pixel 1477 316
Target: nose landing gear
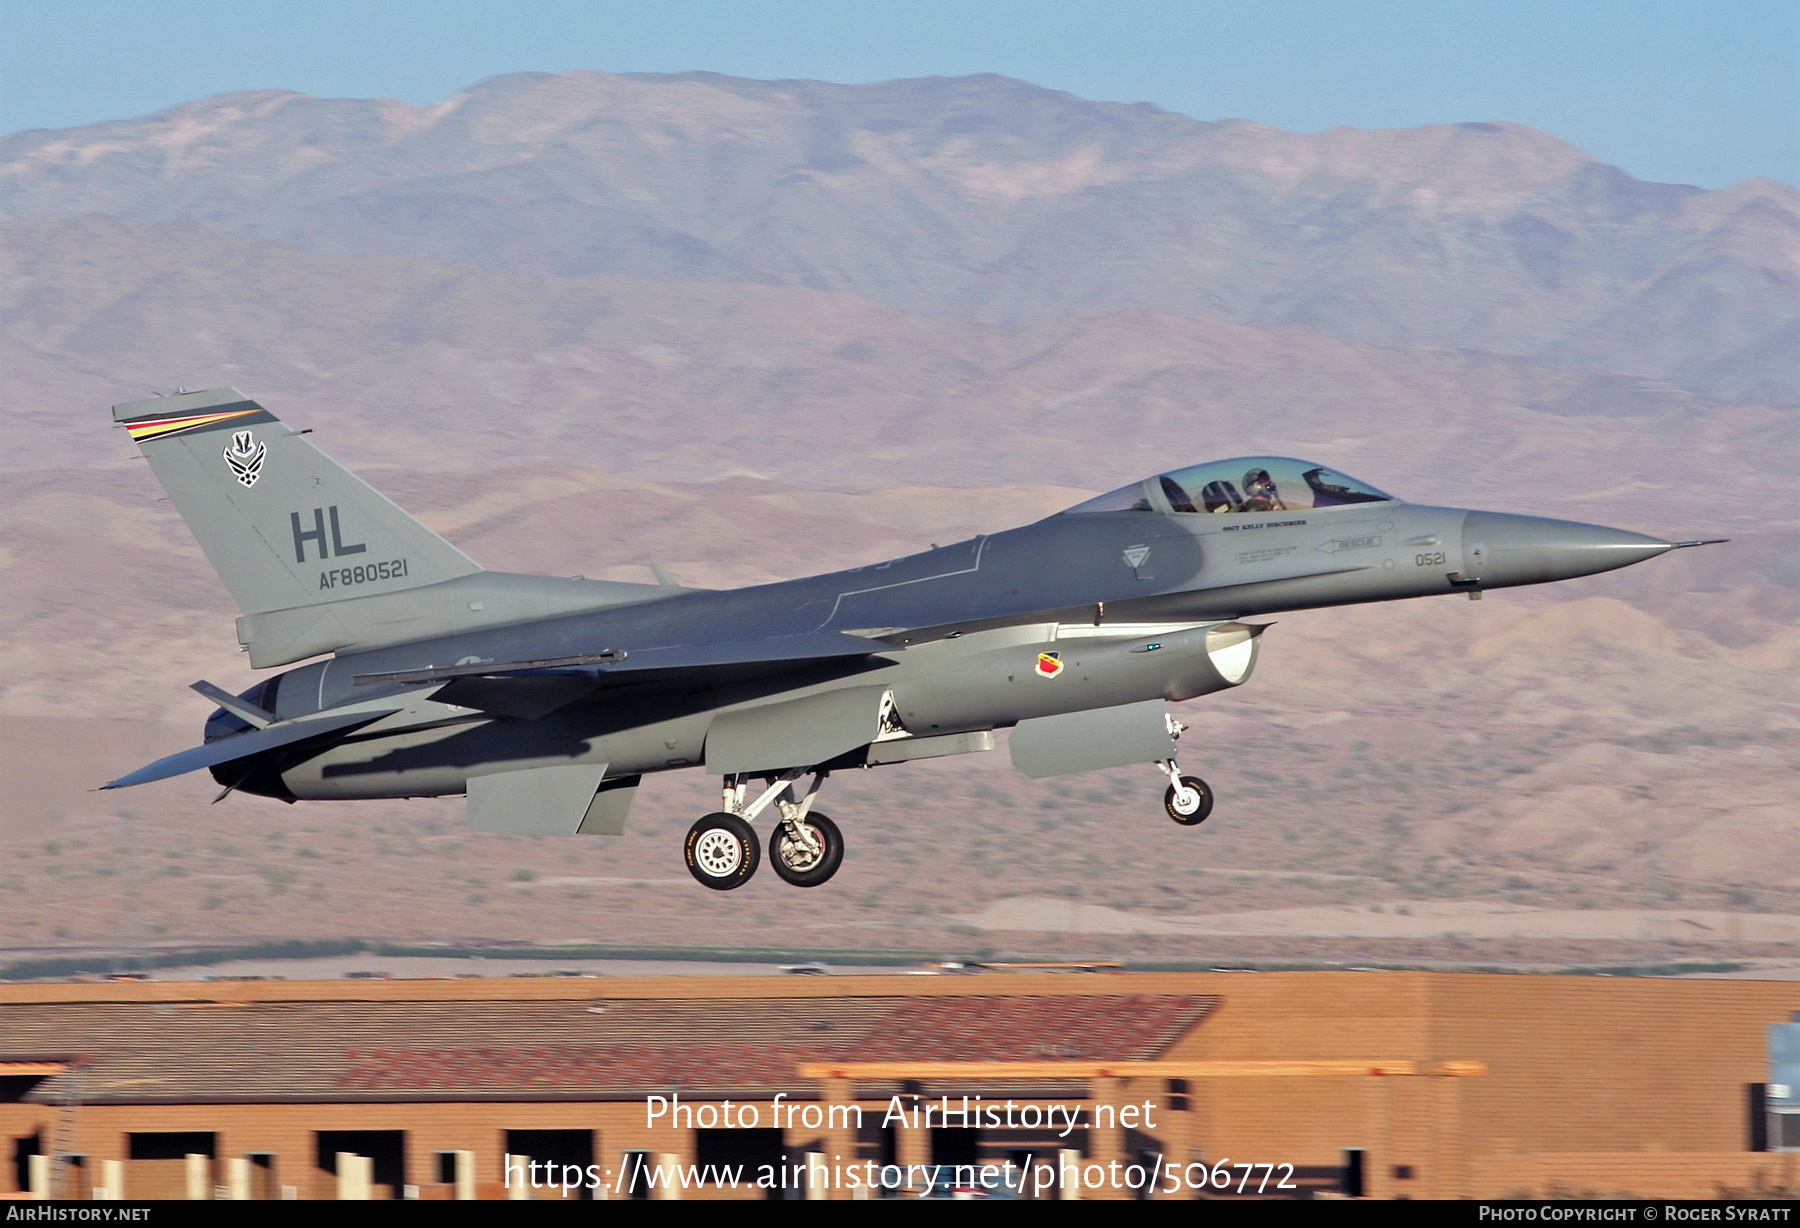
pixel 1188 799
pixel 805 846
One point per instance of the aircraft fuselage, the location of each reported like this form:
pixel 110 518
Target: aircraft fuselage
pixel 1123 598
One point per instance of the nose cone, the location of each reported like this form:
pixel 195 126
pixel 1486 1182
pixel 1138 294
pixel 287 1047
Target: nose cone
pixel 1501 550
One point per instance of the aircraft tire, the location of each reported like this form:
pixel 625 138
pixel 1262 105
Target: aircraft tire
pixel 815 872
pixel 722 851
pixel 1194 813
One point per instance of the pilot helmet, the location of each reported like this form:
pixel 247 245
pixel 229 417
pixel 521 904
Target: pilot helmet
pixel 1258 482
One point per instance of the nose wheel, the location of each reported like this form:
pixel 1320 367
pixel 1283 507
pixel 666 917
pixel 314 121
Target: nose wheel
pixel 1188 799
pixel 805 846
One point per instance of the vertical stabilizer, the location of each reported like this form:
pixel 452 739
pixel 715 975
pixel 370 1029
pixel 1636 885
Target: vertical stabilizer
pixel 283 524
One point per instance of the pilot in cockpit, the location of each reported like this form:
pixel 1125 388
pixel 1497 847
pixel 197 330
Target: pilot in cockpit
pixel 1260 494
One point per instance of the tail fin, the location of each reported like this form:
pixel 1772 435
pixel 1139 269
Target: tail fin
pixel 284 525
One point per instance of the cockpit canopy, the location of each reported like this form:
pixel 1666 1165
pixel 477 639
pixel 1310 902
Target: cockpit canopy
pixel 1242 484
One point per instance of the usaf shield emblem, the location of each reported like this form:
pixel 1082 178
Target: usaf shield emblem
pixel 245 456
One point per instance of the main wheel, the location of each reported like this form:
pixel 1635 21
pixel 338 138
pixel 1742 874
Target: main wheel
pixel 803 866
pixel 722 851
pixel 1190 805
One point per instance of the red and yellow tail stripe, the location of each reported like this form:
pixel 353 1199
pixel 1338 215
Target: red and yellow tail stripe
pixel 155 428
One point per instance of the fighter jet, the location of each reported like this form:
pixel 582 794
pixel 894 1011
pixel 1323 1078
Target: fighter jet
pixel 546 700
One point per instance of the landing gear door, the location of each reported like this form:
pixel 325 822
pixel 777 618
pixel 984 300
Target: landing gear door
pixel 1087 741
pixel 796 732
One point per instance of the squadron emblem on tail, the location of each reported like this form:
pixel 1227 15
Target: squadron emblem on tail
pixel 245 456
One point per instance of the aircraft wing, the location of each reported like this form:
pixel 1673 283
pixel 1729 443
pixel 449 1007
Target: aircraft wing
pixel 528 689
pixel 249 742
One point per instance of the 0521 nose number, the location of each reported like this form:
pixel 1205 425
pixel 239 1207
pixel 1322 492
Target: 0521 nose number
pixel 1435 559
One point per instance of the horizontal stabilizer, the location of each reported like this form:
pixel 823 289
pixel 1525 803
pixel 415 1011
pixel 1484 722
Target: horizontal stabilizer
pixel 250 742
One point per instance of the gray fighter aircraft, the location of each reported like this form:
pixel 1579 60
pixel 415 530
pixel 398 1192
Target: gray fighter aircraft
pixel 545 700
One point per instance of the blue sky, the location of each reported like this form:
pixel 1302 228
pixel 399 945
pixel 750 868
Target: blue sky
pixel 1705 93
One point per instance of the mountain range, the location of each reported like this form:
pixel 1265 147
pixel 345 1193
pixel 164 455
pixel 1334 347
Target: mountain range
pixel 989 199
pixel 758 329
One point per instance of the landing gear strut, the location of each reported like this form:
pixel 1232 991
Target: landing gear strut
pixel 805 846
pixel 1188 799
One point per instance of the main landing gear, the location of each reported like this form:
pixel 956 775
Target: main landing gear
pixel 805 846
pixel 1188 799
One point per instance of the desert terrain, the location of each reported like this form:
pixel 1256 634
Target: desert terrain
pixel 486 311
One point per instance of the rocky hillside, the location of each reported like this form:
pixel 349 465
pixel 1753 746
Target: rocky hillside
pixel 987 198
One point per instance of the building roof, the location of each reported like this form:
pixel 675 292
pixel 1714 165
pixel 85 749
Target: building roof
pixel 589 1047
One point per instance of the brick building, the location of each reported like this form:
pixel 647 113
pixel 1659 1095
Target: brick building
pixel 1388 1084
